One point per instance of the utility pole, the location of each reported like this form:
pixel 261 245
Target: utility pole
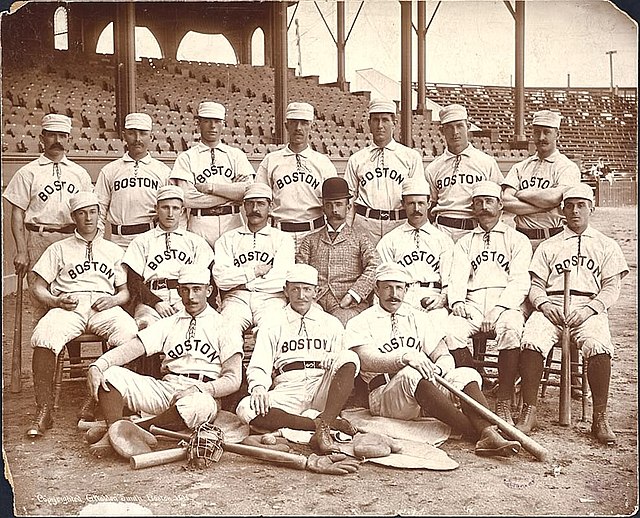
pixel 611 53
pixel 298 45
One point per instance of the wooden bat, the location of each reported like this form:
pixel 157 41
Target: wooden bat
pixel 156 458
pixel 538 451
pixel 16 359
pixel 564 416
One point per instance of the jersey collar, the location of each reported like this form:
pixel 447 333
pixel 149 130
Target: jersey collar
pixel 551 158
pixel 568 233
pixel 306 152
pixel 265 231
pixel 391 146
pixel 208 310
pixel 500 227
pixel 43 160
pixel 202 148
pixel 466 152
pixel 427 227
pixel 157 231
pixel 313 314
pixel 145 159
pixel 380 312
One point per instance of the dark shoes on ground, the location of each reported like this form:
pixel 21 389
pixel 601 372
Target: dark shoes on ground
pixel 492 444
pixel 42 422
pixel 503 410
pixel 321 441
pixel 527 420
pixel 601 430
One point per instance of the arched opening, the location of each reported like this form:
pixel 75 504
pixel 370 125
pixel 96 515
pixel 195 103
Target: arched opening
pixel 210 48
pixel 147 45
pixel 60 29
pixel 257 48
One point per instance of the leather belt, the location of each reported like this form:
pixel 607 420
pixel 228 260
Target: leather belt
pixel 302 227
pixel 299 365
pixel 539 233
pixel 379 380
pixel 129 230
pixel 158 284
pixel 573 292
pixel 199 377
pixel 69 229
pixel 381 214
pixel 427 284
pixel 461 223
pixel 216 211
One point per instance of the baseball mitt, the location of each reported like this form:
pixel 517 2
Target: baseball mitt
pixel 334 464
pixel 371 445
pixel 128 439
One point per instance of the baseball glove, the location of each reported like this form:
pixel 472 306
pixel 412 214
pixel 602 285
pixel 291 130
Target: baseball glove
pixel 371 445
pixel 334 464
pixel 128 439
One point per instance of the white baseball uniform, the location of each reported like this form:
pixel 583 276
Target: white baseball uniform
pixel 489 269
pixel 157 256
pixel 194 350
pixel 593 258
pixel 202 164
pixel 247 299
pixel 296 180
pixel 392 394
pixel 375 176
pixel 290 347
pixel 451 179
pixel 88 270
pixel 554 171
pixel 127 190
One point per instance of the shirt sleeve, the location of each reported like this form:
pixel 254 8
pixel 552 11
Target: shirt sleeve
pixel 518 281
pixel 103 191
pixel 462 267
pixel 182 169
pixel 370 259
pixel 18 191
pixel 261 363
pixel 351 177
pixel 225 273
pixel 49 264
pixel 262 174
pixel 284 258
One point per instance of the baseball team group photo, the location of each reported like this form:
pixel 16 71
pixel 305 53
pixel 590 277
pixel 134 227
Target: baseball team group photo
pixel 403 282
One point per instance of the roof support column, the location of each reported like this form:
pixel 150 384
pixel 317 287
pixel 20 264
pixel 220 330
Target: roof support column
pixel 422 61
pixel 519 92
pixel 124 50
pixel 341 44
pixel 405 73
pixel 280 66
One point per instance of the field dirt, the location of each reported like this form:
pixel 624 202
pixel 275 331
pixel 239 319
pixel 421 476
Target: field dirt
pixel 57 476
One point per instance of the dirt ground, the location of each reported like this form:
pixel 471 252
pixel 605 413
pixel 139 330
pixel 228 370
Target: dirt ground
pixel 57 476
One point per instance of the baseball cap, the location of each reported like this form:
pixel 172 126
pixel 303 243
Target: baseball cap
pixel 453 112
pixel 415 186
pixel 167 192
pixel 382 106
pixel 258 190
pixel 301 111
pixel 335 188
pixel 390 271
pixel 140 121
pixel 194 274
pixel 83 199
pixel 56 122
pixel 582 190
pixel 486 188
pixel 211 110
pixel 547 118
pixel 304 273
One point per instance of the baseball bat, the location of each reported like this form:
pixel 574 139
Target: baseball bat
pixel 538 451
pixel 16 359
pixel 565 372
pixel 291 460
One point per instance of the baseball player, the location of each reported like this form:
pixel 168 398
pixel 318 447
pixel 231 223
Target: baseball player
pixel 597 268
pixel 295 174
pixel 213 176
pixel 39 195
pixel 451 175
pixel 346 260
pixel 302 347
pixel 81 280
pixel 127 187
pixel 533 188
pixel 424 251
pixel 375 174
pixel 399 357
pixel 155 258
pixel 200 366
pixel 251 263
pixel 490 283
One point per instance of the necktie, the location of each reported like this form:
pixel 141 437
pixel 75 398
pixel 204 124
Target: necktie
pixel 378 156
pixel 298 163
pixel 332 235
pixel 394 325
pixel 213 157
pixel 303 329
pixel 56 170
pixel 485 239
pixel 456 164
pixel 416 238
pixel 191 332
pixel 135 168
pixel 89 251
pixel 167 240
pixel 579 244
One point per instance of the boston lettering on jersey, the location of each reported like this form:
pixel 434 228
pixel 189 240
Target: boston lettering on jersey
pixel 490 255
pixel 196 345
pixel 578 260
pixel 168 255
pixel 215 170
pixel 420 255
pixel 134 181
pixel 382 172
pixel 57 186
pixel 541 183
pixel 399 341
pixel 467 178
pixel 308 344
pixel 299 177
pixel 90 266
pixel 253 255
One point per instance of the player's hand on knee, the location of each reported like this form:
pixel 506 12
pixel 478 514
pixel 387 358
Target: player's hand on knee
pixel 459 309
pixel 578 316
pixel 328 360
pixel 553 312
pixel 260 402
pixel 346 301
pixel 95 380
pixel 433 302
pixel 182 393
pixel 420 362
pixel 66 301
pixel 164 309
pixel 103 303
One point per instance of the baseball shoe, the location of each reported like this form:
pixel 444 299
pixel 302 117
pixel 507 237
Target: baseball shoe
pixel 95 433
pixel 601 430
pixel 87 411
pixel 503 410
pixel 102 448
pixel 321 440
pixel 527 421
pixel 42 422
pixel 492 444
pixel 343 425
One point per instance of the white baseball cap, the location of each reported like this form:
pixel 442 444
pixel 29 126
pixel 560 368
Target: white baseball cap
pixel 582 190
pixel 486 188
pixel 453 112
pixel 169 192
pixel 56 122
pixel 211 110
pixel 258 190
pixel 547 118
pixel 390 271
pixel 301 111
pixel 140 121
pixel 83 199
pixel 382 106
pixel 194 274
pixel 415 186
pixel 303 273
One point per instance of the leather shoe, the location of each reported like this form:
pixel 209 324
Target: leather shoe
pixel 527 420
pixel 601 430
pixel 42 422
pixel 87 411
pixel 344 426
pixel 321 440
pixel 492 444
pixel 503 410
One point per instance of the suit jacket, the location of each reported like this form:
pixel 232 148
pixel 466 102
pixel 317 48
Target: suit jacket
pixel 349 263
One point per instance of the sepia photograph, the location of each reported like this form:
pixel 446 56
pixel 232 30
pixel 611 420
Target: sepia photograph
pixel 319 257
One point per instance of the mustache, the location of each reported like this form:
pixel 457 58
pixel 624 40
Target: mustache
pixel 394 299
pixel 57 145
pixel 257 214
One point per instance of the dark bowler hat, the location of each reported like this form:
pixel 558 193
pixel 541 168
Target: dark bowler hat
pixel 335 188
